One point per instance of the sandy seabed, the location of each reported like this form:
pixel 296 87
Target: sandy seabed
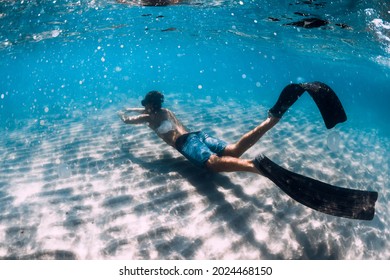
pixel 87 186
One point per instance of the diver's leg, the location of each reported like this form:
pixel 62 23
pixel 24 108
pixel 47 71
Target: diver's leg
pixel 230 164
pixel 287 98
pixel 250 138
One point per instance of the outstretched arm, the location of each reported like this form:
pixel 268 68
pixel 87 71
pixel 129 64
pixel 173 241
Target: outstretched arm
pixel 140 110
pixel 134 119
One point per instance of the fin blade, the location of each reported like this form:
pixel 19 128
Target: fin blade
pixel 328 103
pixel 320 196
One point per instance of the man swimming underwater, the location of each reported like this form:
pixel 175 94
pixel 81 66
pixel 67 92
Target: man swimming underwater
pixel 218 156
pixel 198 147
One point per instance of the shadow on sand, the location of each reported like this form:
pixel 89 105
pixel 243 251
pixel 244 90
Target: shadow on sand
pixel 207 184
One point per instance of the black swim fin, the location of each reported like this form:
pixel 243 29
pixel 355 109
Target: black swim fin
pixel 332 200
pixel 327 102
pixel 326 99
pixel 286 99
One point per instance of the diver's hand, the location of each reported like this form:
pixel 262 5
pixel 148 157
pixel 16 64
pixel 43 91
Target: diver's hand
pixel 122 115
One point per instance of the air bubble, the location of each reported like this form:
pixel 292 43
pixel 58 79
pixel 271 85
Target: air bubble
pixel 64 171
pixel 333 141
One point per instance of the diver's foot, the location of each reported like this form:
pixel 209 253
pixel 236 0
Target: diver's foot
pixel 286 99
pixel 273 114
pixel 273 120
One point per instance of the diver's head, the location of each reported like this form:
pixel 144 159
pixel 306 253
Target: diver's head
pixel 153 100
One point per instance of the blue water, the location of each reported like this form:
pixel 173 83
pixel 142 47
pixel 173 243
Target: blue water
pixel 77 183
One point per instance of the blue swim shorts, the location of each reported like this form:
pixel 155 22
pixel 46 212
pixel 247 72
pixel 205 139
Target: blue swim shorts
pixel 198 147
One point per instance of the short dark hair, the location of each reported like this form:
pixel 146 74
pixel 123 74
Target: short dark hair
pixel 154 98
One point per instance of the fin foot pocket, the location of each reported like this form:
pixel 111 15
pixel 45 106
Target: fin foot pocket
pixel 286 99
